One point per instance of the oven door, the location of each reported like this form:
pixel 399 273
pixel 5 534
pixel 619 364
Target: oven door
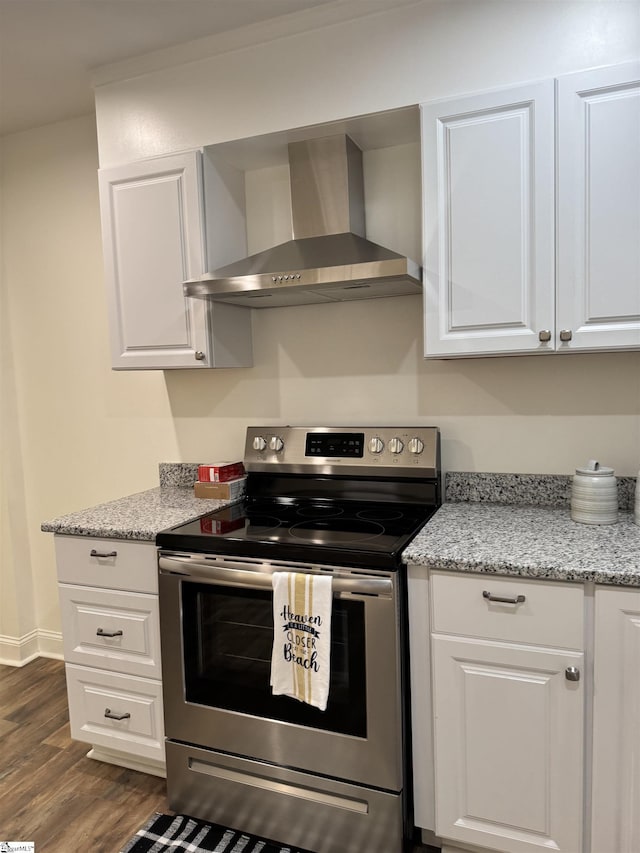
pixel 217 633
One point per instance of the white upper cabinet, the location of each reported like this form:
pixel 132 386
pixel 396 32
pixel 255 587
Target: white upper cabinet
pixel 153 231
pixel 599 208
pixel 489 222
pixel 524 253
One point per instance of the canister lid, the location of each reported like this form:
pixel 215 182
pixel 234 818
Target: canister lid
pixel 594 469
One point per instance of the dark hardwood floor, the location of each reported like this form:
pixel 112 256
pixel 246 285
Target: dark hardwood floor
pixel 50 792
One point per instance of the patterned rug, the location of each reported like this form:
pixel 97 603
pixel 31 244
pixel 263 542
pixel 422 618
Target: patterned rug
pixel 174 833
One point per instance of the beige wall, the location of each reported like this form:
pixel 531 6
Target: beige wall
pixel 74 433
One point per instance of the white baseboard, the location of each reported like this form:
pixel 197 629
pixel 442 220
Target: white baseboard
pixel 50 643
pixel 18 651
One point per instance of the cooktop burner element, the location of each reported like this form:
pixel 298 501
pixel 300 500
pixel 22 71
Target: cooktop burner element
pixel 330 496
pixel 314 511
pixel 342 530
pixel 385 514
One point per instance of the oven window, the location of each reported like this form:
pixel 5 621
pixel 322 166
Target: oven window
pixel 228 636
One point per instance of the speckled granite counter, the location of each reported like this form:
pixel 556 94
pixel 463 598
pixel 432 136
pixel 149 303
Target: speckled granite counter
pixel 488 524
pixel 139 516
pixel 536 542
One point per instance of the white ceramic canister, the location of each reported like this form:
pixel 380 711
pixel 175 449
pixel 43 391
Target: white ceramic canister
pixel 594 495
pixel 636 515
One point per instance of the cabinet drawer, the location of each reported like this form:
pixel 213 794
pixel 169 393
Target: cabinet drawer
pixel 551 614
pixel 97 698
pixel 111 630
pixel 108 563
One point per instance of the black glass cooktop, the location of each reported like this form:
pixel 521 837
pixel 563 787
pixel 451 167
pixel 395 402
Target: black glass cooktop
pixel 336 532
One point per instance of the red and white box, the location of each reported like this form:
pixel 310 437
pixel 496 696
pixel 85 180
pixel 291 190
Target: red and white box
pixel 220 472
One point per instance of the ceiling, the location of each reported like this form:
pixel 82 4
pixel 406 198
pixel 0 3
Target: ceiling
pixel 48 48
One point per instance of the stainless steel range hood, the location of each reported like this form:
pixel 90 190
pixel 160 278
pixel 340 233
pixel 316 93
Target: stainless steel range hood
pixel 329 259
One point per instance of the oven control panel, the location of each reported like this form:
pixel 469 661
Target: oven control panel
pixel 349 445
pixel 383 451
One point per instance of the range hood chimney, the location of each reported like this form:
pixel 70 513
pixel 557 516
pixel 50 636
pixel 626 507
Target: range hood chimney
pixel 329 259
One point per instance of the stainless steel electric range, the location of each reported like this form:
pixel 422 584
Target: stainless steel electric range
pixel 343 502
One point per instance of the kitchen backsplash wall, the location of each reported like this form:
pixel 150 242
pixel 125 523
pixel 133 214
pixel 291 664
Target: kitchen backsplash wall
pixel 552 490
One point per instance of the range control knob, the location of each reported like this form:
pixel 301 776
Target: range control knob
pixel 376 445
pixel 259 443
pixel 416 445
pixel 396 445
pixel 276 443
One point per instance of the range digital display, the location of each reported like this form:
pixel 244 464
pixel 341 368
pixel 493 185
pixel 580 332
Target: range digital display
pixel 335 444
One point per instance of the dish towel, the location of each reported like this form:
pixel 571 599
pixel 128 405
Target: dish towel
pixel 301 656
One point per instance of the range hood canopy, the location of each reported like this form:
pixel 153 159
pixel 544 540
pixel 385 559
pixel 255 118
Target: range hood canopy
pixel 329 259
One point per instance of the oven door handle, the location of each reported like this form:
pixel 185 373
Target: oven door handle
pixel 208 572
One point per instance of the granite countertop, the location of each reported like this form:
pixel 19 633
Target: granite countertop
pixel 507 524
pixel 139 516
pixel 528 541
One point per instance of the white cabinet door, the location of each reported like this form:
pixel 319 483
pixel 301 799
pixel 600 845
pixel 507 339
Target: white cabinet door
pixel 616 722
pixel 153 234
pixel 508 746
pixel 130 565
pixel 488 225
pixel 599 208
pixel 116 711
pixel 111 629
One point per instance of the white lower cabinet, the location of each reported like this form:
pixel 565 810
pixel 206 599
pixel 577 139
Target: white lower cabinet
pixel 508 708
pixel 111 629
pixel 508 737
pixel 109 602
pixel 615 813
pixel 116 711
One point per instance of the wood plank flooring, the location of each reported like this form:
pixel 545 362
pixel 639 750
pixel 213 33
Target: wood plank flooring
pixel 50 792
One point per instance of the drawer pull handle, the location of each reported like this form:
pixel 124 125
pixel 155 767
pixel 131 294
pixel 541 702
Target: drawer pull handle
pixel 112 715
pixel 572 673
pixel 95 553
pixel 102 633
pixel 517 599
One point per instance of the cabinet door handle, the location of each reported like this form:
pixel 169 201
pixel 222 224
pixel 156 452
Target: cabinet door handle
pixel 199 355
pixel 572 673
pixel 102 633
pixel 565 335
pixel 544 336
pixel 517 599
pixel 94 553
pixel 113 715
